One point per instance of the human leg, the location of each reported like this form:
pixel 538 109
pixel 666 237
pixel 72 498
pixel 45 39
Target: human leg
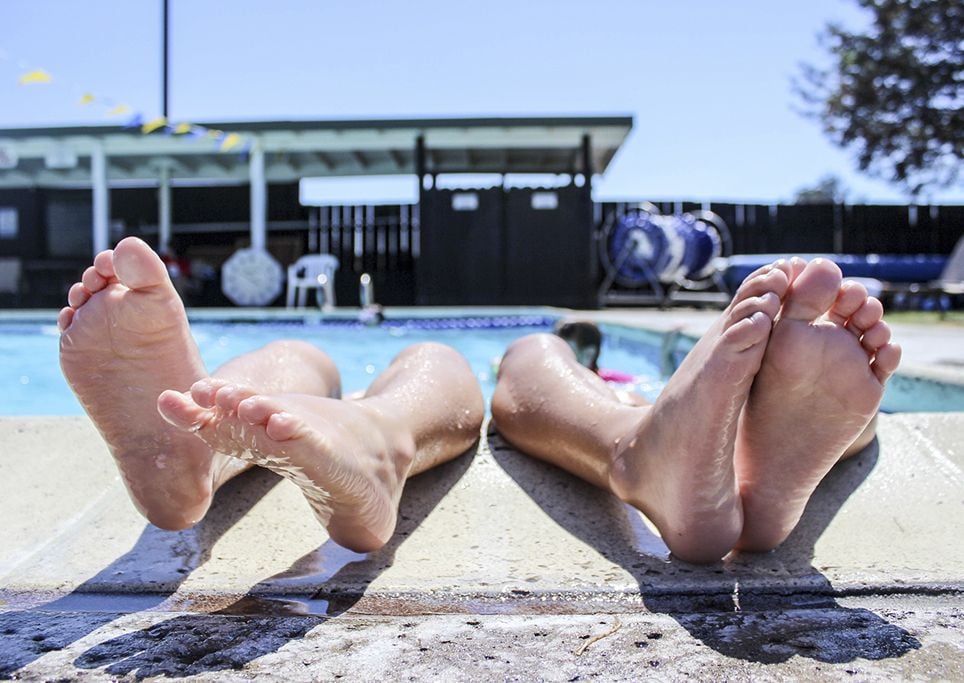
pixel 124 339
pixel 672 460
pixel 350 458
pixel 813 401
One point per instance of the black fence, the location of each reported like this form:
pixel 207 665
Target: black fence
pixel 826 228
pixel 512 250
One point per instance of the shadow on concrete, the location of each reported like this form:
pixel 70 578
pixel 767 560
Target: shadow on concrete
pixel 761 608
pixel 256 625
pixel 344 576
pixel 171 557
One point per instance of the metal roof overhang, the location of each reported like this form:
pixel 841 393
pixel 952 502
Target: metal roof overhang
pixel 58 157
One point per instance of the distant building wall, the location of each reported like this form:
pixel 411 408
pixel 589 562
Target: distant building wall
pixel 529 257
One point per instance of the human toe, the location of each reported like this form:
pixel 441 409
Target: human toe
pixel 92 280
pixel 205 390
pixel 180 410
pixel 64 318
pixel 767 303
pixel 772 280
pixel 868 315
pixel 813 292
pixel 104 263
pixel 885 362
pixel 876 336
pixel 229 396
pixel 283 426
pixel 137 265
pixel 850 298
pixel 77 295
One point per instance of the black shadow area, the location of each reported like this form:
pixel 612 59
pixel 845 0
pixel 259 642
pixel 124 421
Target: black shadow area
pixel 794 615
pixel 171 557
pixel 260 623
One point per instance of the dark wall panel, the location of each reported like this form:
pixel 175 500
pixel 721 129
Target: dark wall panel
pixel 549 252
pixel 461 247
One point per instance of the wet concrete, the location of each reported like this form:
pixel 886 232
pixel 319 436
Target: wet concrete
pixel 862 640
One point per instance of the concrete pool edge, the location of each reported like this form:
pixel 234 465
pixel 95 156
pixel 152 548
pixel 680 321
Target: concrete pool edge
pixel 861 610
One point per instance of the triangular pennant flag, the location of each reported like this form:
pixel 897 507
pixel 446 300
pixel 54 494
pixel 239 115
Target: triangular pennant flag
pixel 153 125
pixel 232 140
pixel 136 121
pixel 119 110
pixel 86 99
pixel 35 76
pixel 182 128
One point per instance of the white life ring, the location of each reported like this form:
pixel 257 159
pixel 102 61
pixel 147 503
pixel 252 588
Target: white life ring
pixel 251 277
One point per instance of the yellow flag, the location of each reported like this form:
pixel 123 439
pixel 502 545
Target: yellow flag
pixel 119 110
pixel 35 76
pixel 232 140
pixel 182 128
pixel 151 126
pixel 86 98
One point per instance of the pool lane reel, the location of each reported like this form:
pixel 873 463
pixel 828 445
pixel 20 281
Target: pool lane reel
pixel 653 257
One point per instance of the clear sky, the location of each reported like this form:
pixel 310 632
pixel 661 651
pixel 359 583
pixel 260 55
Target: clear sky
pixel 708 82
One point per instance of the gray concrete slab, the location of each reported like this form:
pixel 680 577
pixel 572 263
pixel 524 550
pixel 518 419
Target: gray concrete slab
pixel 489 528
pixel 502 567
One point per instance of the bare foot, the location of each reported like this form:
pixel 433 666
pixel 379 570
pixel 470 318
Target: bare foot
pixel 124 339
pixel 678 467
pixel 818 389
pixel 349 460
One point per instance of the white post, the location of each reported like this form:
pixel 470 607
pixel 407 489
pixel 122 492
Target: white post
pixel 98 176
pixel 259 199
pixel 164 210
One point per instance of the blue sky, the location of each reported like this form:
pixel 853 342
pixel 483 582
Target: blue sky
pixel 709 83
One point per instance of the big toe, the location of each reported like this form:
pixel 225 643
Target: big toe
pixel 813 291
pixel 137 265
pixel 181 411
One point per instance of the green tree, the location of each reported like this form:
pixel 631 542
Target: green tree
pixel 893 93
pixel 828 190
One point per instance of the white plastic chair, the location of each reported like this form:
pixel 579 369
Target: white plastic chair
pixel 312 271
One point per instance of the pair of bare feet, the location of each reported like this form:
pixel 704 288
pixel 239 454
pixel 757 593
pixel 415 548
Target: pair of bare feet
pixel 178 433
pixel 727 457
pixel 785 383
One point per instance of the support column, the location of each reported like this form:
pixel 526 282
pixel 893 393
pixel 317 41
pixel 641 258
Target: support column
pixel 98 176
pixel 164 210
pixel 259 199
pixel 586 212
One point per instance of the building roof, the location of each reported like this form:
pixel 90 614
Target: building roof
pixel 299 149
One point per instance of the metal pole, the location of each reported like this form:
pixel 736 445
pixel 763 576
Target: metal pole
pixel 165 48
pixel 259 198
pixel 101 223
pixel 164 210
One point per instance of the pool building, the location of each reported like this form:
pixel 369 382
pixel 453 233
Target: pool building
pixel 491 211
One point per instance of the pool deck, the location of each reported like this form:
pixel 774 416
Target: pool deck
pixel 501 568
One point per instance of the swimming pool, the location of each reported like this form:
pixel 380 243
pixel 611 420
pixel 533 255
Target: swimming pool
pixel 31 382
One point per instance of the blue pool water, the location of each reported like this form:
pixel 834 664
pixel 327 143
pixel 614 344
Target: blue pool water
pixel 31 382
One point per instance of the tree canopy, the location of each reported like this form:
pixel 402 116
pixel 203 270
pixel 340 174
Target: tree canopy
pixel 893 93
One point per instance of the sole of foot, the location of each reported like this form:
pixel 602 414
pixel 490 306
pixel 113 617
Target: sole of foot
pixel 819 386
pixel 125 339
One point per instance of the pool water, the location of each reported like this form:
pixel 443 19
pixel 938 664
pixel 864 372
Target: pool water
pixel 31 382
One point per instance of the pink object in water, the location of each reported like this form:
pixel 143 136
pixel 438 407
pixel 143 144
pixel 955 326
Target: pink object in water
pixel 615 376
